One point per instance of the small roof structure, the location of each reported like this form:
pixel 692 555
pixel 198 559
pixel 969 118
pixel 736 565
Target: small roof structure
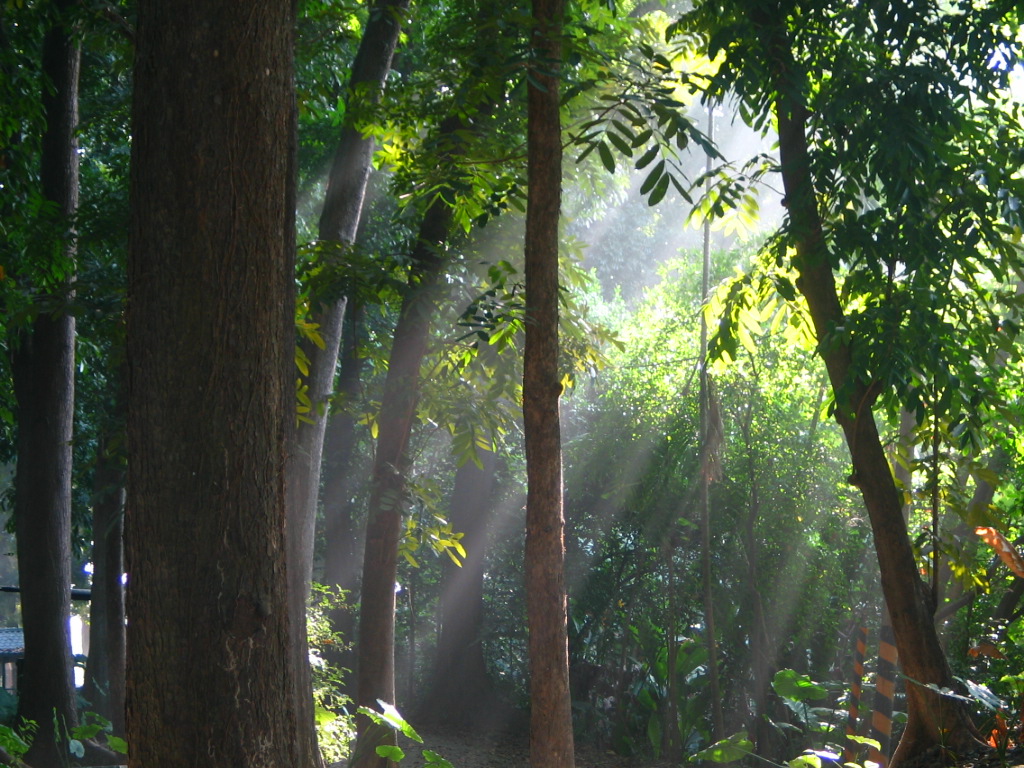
pixel 12 643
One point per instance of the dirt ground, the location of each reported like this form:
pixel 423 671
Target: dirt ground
pixel 505 751
pixel 510 751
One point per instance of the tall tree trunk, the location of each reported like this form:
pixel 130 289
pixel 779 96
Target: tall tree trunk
pixel 42 365
pixel 459 694
pixel 339 222
pixel 933 720
pixel 343 556
pixel 376 648
pixel 710 441
pixel 105 670
pixel 210 390
pixel 762 652
pixel 551 737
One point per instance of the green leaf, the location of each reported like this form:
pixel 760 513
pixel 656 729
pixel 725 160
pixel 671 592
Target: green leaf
pixel 647 157
pixel 620 144
pixel 323 715
pixel 117 744
pixel 652 178
pixel 865 740
pixel 805 760
pixel 660 189
pixel 432 758
pixel 607 160
pixel 736 747
pixel 391 752
pixel 790 684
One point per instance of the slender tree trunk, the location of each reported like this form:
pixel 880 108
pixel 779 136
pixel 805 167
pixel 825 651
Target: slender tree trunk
pixel 762 653
pixel 671 749
pixel 933 720
pixel 710 440
pixel 42 365
pixel 376 648
pixel 459 693
pixel 339 222
pixel 551 737
pixel 210 389
pixel 343 556
pixel 105 670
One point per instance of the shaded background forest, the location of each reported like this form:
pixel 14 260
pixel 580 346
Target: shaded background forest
pixel 786 569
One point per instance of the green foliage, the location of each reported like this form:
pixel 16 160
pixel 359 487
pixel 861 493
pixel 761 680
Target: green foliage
pixel 390 717
pixel 731 749
pixel 919 221
pixel 95 728
pixel 335 725
pixel 17 741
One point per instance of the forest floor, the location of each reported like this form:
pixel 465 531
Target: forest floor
pixel 481 750
pixel 504 750
pixel 1013 758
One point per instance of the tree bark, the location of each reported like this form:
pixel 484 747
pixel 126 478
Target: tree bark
pixel 376 648
pixel 933 720
pixel 42 366
pixel 459 694
pixel 343 556
pixel 210 342
pixel 339 222
pixel 551 737
pixel 105 669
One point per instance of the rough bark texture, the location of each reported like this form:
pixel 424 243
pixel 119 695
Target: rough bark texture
pixel 42 365
pixel 376 648
pixel 551 738
pixel 210 389
pixel 459 694
pixel 105 670
pixel 933 720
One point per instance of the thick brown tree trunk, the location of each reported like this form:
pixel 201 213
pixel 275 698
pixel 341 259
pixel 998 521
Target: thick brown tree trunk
pixel 210 386
pixel 376 648
pixel 105 670
pixel 339 222
pixel 551 737
pixel 42 365
pixel 933 720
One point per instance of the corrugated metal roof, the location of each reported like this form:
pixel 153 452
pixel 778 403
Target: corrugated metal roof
pixel 12 640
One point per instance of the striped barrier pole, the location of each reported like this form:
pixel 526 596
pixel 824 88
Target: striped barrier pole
pixel 859 651
pixel 885 690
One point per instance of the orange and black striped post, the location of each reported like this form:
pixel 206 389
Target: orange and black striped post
pixel 859 651
pixel 885 690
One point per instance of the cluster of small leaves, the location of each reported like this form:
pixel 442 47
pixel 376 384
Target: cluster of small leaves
pixel 757 300
pixel 326 38
pixel 92 727
pixel 425 526
pixel 17 741
pixel 452 131
pixel 634 97
pixel 335 725
pixel 644 119
pixel 309 332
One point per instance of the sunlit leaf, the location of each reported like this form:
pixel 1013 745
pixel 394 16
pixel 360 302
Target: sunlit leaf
pixel 792 685
pixel 736 747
